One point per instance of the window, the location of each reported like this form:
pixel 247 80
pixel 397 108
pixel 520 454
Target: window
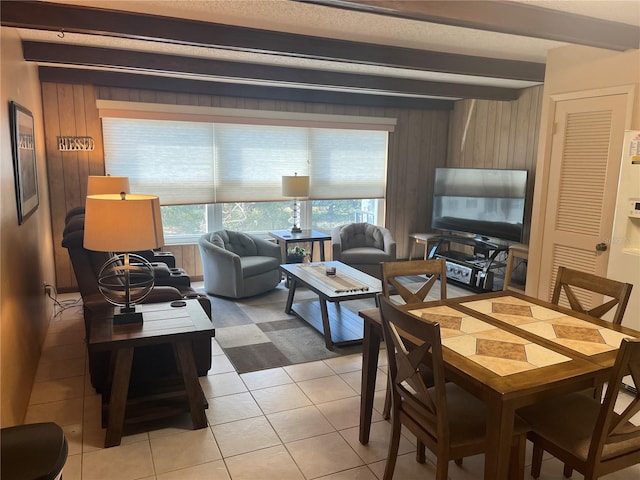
pixel 327 214
pixel 215 173
pixel 185 223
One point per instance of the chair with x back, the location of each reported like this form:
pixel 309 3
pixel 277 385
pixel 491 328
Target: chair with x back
pixel 568 280
pixel 425 272
pixel 587 435
pixel 444 418
pixel 412 281
pixel 571 282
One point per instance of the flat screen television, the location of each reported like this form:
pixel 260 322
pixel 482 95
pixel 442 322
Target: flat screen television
pixel 488 203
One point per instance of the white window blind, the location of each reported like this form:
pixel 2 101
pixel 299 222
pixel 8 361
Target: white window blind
pixel 251 159
pixel 347 164
pixel 172 160
pixel 187 162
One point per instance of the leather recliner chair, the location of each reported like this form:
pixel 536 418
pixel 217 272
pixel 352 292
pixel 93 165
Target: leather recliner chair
pixel 152 256
pixel 164 275
pixel 238 265
pixel 363 246
pixel 156 360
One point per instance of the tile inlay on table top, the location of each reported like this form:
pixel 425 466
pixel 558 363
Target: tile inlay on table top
pixel 497 350
pixel 573 333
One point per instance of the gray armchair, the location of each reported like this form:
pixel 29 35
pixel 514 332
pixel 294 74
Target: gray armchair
pixel 363 246
pixel 238 265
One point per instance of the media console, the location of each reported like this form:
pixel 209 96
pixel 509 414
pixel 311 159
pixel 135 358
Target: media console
pixel 473 269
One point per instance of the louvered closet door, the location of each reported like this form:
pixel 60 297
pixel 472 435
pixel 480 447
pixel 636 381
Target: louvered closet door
pixel 583 181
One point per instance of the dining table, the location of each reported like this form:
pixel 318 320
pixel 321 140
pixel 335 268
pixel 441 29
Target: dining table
pixel 508 349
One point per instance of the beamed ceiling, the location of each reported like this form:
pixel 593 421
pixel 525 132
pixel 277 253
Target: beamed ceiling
pixel 402 53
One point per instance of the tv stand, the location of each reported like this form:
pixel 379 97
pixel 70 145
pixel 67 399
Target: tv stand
pixel 486 242
pixel 473 270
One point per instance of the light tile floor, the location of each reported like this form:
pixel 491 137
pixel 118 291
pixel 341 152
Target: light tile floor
pixel 293 423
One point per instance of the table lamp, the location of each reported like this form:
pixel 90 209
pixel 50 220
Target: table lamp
pixel 295 186
pixel 124 223
pixel 100 184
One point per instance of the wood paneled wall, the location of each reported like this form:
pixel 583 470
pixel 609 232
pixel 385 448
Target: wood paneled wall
pixel 477 133
pixel 493 134
pixel 418 144
pixel 69 110
pixel 187 257
pixel 416 148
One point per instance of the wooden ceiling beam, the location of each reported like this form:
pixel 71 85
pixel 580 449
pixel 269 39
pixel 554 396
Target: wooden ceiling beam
pixel 515 18
pixel 94 21
pixel 58 53
pixel 201 87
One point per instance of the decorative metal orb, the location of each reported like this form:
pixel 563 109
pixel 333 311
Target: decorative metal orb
pixel 126 279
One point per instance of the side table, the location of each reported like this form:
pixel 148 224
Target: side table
pixel 162 324
pixel 517 250
pixel 285 237
pixel 425 239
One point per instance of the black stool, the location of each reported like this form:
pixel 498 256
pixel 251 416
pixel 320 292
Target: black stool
pixel 36 451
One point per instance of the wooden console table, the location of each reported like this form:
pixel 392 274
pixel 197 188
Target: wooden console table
pixel 426 239
pixel 163 324
pixel 518 250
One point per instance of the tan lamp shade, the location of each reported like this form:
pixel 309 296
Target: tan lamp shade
pixel 122 223
pixel 100 184
pixel 296 186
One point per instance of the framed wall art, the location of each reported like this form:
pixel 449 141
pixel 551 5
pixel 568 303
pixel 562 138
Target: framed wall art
pixel 24 160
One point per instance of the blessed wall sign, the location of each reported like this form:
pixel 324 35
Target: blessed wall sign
pixel 76 144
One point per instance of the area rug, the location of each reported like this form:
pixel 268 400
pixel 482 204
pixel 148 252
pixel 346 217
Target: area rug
pixel 256 334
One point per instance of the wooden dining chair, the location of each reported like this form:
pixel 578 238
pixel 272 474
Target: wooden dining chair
pixel 396 280
pixel 568 280
pixel 444 418
pixel 428 272
pixel 587 435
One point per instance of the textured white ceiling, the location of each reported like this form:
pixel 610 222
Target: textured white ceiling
pixel 315 20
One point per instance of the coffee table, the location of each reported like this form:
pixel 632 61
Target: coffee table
pixel 162 323
pixel 339 326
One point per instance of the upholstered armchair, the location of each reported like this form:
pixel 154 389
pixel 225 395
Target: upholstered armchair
pixel 238 265
pixel 363 246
